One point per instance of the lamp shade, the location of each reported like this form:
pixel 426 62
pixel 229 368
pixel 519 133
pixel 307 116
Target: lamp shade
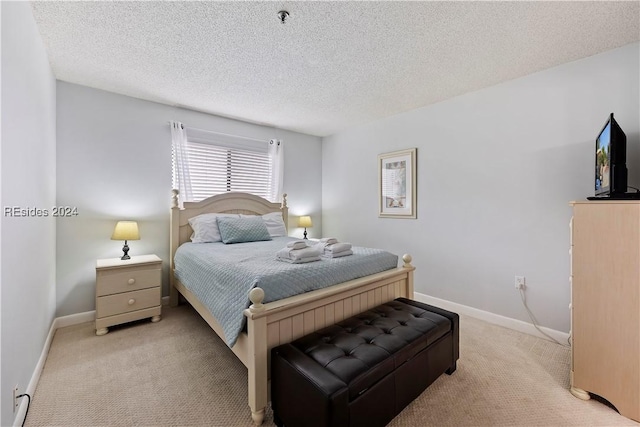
pixel 126 230
pixel 305 221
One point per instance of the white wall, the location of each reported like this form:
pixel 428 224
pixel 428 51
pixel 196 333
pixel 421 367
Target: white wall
pixel 28 180
pixel 496 170
pixel 114 162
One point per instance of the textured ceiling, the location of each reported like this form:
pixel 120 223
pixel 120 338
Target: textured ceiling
pixel 332 65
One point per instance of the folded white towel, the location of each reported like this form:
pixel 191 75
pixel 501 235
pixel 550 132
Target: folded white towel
pixel 329 255
pixel 297 244
pixel 337 247
pixel 300 260
pixel 328 240
pixel 294 254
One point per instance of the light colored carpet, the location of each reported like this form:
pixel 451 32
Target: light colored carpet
pixel 179 373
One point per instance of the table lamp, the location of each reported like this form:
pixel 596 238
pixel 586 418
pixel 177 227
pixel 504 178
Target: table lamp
pixel 126 230
pixel 305 221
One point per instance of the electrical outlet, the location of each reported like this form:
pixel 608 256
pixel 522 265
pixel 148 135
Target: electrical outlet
pixel 15 398
pixel 520 282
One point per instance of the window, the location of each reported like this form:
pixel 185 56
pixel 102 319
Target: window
pixel 214 170
pixel 214 163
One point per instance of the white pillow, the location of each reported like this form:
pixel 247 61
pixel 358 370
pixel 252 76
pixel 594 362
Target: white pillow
pixel 205 227
pixel 274 222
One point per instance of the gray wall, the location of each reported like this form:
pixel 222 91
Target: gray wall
pixel 496 170
pixel 28 180
pixel 114 162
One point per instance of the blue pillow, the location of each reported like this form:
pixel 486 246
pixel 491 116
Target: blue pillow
pixel 239 230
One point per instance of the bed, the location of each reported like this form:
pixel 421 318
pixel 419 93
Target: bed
pixel 278 322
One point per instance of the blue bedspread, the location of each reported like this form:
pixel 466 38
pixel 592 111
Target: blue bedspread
pixel 221 276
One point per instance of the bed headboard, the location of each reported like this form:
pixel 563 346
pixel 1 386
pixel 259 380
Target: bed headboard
pixel 232 202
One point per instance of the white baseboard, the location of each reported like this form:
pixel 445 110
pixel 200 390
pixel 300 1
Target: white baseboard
pixel 507 322
pixel 58 322
pixel 74 319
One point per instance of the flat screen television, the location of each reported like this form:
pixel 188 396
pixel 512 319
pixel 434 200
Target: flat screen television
pixel 611 161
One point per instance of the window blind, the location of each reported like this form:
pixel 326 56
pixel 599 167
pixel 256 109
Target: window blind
pixel 218 165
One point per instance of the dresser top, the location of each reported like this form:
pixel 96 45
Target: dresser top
pixel 135 260
pixel 604 202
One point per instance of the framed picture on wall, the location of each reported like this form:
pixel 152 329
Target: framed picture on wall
pixel 397 184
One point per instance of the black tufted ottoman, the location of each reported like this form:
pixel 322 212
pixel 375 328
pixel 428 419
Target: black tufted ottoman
pixel 364 370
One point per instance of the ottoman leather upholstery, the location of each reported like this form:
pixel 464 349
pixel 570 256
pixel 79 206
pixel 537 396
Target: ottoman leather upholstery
pixel 363 370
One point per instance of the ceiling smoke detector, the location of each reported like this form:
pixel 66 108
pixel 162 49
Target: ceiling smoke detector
pixel 283 15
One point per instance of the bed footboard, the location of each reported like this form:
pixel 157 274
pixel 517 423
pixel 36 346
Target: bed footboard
pixel 280 322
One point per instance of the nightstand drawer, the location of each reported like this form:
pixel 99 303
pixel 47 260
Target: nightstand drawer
pixel 129 301
pixel 125 280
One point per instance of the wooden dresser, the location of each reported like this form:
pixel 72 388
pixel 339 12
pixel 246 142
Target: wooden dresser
pixel 605 302
pixel 127 290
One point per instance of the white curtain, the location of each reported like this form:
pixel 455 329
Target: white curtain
pixel 276 156
pixel 182 178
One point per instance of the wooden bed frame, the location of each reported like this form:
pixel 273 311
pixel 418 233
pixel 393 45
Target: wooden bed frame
pixel 279 322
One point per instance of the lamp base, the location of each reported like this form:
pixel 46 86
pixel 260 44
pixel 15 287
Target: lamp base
pixel 305 234
pixel 125 249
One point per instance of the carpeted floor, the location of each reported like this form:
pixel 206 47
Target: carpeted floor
pixel 179 373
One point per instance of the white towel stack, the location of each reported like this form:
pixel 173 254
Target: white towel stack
pixel 331 248
pixel 298 252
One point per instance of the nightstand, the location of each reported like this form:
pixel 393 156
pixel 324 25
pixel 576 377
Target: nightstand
pixel 127 290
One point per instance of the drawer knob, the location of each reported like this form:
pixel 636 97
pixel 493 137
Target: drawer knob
pixel 132 301
pixel 132 281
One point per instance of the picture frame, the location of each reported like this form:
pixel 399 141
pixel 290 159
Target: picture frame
pixel 397 184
